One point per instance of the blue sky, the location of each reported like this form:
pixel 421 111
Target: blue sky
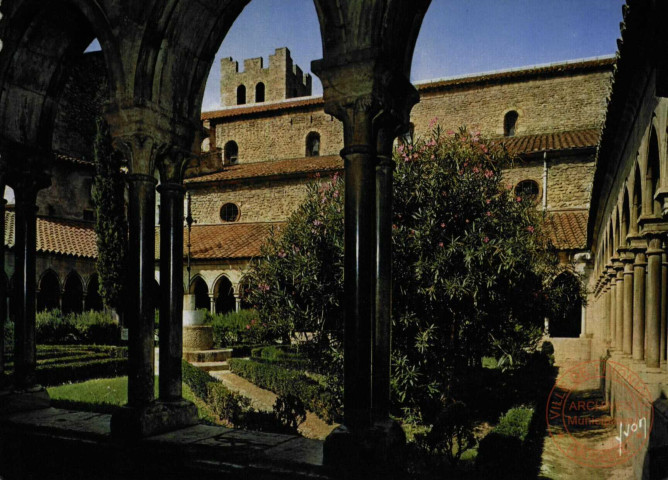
pixel 458 37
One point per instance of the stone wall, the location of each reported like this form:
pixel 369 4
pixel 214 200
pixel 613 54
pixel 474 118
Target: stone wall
pixel 69 193
pixel 257 202
pixel 281 135
pixel 551 103
pixel 568 102
pixel 282 79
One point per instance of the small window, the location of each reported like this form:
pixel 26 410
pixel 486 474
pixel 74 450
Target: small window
pixel 509 123
pixel 527 189
pixel 241 95
pixel 231 153
pixel 313 144
pixel 229 212
pixel 259 92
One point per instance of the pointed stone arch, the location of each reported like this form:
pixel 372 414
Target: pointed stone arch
pixel 200 289
pixel 93 299
pixel 73 293
pixel 49 293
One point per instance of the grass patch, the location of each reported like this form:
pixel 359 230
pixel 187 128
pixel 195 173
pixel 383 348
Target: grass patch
pixel 106 395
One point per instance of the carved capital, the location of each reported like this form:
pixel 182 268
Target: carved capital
pixel 171 164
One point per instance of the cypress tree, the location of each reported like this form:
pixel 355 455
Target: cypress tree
pixel 111 225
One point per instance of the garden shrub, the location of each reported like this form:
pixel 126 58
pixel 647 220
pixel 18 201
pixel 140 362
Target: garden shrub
pixel 472 262
pixel 505 450
pixel 281 355
pixel 290 412
pixel 452 434
pixel 226 404
pixel 285 382
pixel 242 327
pixel 198 380
pixel 52 327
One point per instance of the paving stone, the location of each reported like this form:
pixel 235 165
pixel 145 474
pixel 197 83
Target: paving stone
pixel 188 435
pixel 302 450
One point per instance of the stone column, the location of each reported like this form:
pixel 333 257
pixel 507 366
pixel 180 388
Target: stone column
pixel 619 306
pixel 627 328
pixel 237 303
pixel 140 314
pixel 3 290
pixel 212 303
pixel 383 270
pixel 638 350
pixel 653 302
pixel 612 278
pixel 664 303
pixel 171 285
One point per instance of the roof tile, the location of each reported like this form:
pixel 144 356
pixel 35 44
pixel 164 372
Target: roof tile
pixel 528 144
pixel 568 229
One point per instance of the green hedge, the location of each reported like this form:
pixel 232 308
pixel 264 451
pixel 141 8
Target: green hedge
pixel 198 380
pixel 281 355
pixel 54 327
pixel 285 382
pixel 236 328
pixel 506 448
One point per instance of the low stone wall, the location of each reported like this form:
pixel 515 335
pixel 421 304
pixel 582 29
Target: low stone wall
pixel 634 394
pixel 570 349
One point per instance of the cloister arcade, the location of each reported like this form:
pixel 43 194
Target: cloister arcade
pixel 157 65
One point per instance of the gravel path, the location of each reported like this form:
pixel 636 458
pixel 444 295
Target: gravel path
pixel 261 399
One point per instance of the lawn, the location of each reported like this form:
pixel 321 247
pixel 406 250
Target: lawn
pixel 105 395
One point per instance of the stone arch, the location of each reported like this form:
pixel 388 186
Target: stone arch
pixel 635 200
pixel 29 101
pixel 652 176
pixel 49 294
pixel 93 299
pixel 510 123
pixel 567 323
pixel 200 290
pixel 625 218
pixel 73 293
pixel 223 291
pixel 241 95
pixel 231 153
pixel 259 92
pixel 312 144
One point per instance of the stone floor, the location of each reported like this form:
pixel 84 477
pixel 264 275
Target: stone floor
pixel 55 443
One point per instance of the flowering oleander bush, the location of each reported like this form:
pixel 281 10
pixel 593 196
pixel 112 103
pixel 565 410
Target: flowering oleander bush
pixel 472 267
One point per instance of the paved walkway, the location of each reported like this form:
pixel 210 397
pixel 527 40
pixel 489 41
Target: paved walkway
pixel 313 427
pixel 592 438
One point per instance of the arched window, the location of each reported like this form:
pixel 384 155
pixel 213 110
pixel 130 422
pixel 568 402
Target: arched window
pixel 509 122
pixel 93 298
pixel 224 292
pixel 241 95
pixel 259 92
pixel 528 189
pixel 229 212
pixel 48 297
pixel 313 144
pixel 200 289
pixel 73 294
pixel 231 153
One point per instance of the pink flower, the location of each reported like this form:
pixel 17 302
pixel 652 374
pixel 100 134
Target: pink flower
pixel 489 174
pixel 442 224
pixel 282 254
pixel 486 239
pixel 432 157
pixel 519 199
pixel 467 220
pixel 400 148
pixel 489 214
pixel 530 229
pixel 440 244
pixel 450 132
pixel 336 194
pixel 317 223
pixel 394 227
pixel 488 201
pixel 247 327
pixel 415 156
pixel 476 169
pixel 433 122
pixel 410 147
pixel 263 287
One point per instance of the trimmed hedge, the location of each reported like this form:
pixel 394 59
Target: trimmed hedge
pixel 198 380
pixel 53 327
pixel 285 382
pixel 280 355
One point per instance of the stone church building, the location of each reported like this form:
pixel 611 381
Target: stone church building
pixel 591 135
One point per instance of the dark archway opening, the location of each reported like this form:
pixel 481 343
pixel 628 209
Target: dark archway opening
pixel 566 323
pixel 225 301
pixel 200 289
pixel 93 298
pixel 48 297
pixel 73 295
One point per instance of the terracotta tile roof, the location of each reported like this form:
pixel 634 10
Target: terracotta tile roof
pixel 528 144
pixel 294 166
pixel 63 237
pixel 568 229
pixel 227 240
pixel 264 107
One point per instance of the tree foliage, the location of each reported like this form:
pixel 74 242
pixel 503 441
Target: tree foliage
pixel 110 224
pixel 472 266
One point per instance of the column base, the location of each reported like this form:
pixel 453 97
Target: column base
pixel 158 417
pixel 14 401
pixel 372 450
